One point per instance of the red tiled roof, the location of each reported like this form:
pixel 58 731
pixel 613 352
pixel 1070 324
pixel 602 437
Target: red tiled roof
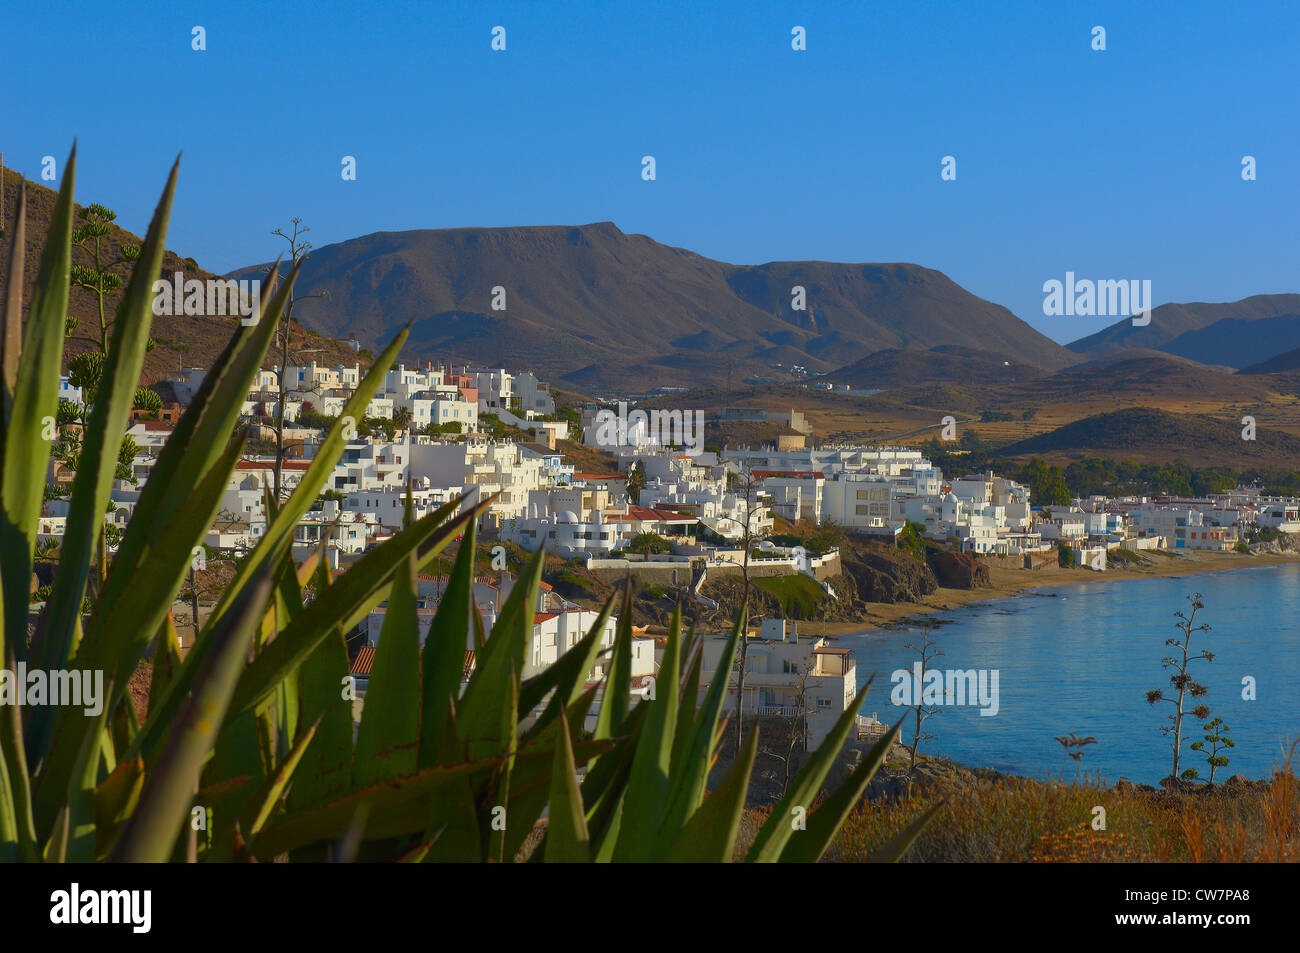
pixel 260 465
pixel 649 513
pixel 791 474
pixel 540 617
pixel 364 660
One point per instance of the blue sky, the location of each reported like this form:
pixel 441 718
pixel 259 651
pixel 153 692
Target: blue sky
pixel 1117 164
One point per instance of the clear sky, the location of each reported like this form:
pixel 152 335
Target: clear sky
pixel 1117 164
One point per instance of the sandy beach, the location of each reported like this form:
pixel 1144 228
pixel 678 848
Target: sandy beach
pixel 1010 582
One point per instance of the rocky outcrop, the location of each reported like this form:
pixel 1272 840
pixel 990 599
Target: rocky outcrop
pixel 959 570
pixel 884 574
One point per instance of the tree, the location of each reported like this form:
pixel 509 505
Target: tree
pixel 648 544
pixel 298 249
pixel 920 710
pixel 1183 684
pixel 402 418
pixel 1216 736
pixel 795 718
pixel 147 400
pixel 99 277
pixel 746 487
pixel 635 481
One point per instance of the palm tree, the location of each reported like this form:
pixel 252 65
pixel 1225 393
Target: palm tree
pixel 401 418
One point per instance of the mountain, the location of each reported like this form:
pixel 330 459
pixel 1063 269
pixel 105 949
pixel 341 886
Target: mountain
pixel 191 341
pixel 895 367
pixel 1286 361
pixel 1233 334
pixel 1143 434
pixel 611 312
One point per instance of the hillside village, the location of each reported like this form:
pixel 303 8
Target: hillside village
pixel 679 519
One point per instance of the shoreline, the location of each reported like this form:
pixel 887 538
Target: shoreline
pixel 1012 582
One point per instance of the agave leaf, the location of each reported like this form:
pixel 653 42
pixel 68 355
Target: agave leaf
pixel 618 679
pixel 11 340
pixel 15 790
pixel 606 783
pixel 326 768
pixel 710 835
pixel 388 739
pixel 115 800
pixel 775 834
pixel 344 604
pixel 531 779
pixel 81 796
pixel 126 636
pixel 567 840
pixel 166 660
pixel 490 692
pixel 443 658
pixel 808 845
pixel 509 717
pixel 453 820
pixel 396 806
pixel 273 790
pixel 692 773
pixel 901 842
pixel 31 415
pixel 8 815
pixel 169 790
pixel 102 438
pixel 647 789
pixel 567 677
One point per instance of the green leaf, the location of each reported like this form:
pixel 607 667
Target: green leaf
pixel 647 790
pixel 807 846
pixel 710 835
pixel 102 438
pixel 345 603
pixel 443 658
pixel 327 762
pixel 169 790
pixel 388 739
pixel 396 806
pixel 618 681
pixel 273 789
pixel 567 840
pixel 775 834
pixel 692 767
pixel 31 415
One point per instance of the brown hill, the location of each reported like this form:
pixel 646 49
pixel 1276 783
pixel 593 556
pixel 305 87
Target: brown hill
pixel 190 341
pixel 618 313
pixel 1143 434
pixel 895 367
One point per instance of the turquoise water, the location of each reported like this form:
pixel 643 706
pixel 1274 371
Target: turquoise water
pixel 1079 658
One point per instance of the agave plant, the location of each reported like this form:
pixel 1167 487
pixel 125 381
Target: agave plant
pixel 248 750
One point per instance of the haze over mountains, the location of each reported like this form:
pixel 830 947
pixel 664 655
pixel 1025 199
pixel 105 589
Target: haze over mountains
pixel 605 310
pixel 1234 334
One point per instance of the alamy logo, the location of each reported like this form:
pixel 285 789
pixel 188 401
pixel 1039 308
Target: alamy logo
pixel 132 907
pixel 665 428
pixel 951 687
pixel 59 687
pixel 194 296
pixel 1087 298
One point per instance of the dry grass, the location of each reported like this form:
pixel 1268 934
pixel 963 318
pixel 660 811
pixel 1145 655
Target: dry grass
pixel 1021 820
